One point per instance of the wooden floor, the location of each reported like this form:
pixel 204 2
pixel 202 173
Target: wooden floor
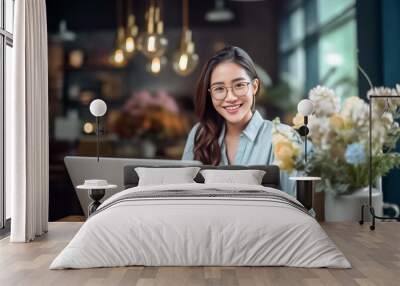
pixel 375 257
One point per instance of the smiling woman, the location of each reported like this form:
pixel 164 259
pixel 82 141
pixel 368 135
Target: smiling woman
pixel 230 131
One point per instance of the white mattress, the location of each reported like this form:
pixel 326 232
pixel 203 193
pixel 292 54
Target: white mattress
pixel 185 231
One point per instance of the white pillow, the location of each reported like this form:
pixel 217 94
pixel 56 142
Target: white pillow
pixel 164 176
pixel 248 177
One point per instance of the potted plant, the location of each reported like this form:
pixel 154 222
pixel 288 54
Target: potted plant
pixel 338 153
pixel 151 119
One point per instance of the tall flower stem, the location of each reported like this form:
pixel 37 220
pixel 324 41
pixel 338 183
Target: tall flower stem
pixel 366 76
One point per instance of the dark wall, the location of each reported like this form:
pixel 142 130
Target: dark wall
pixel 379 45
pixel 390 12
pixel 369 41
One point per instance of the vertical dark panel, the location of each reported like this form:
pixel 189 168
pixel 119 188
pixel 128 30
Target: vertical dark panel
pixel 369 42
pixel 311 45
pixel 312 76
pixel 378 27
pixel 391 41
pixel 391 75
pixel 311 13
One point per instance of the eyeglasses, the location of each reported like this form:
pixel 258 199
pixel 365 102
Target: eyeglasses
pixel 239 89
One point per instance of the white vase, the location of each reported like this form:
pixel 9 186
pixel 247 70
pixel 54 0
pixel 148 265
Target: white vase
pixel 348 207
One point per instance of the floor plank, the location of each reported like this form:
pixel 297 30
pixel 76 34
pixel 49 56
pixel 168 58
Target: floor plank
pixel 375 257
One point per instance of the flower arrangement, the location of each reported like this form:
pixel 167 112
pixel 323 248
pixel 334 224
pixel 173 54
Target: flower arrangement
pixel 339 139
pixel 150 116
pixel 287 150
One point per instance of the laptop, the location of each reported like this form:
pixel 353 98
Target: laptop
pixel 82 168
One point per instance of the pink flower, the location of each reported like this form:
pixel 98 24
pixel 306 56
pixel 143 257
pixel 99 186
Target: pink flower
pixel 142 100
pixel 166 101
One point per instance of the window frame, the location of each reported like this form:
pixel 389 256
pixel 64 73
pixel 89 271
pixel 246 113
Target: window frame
pixel 313 31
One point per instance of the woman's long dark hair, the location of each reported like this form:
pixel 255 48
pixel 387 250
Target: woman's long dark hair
pixel 206 148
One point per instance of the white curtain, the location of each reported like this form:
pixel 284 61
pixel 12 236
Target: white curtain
pixel 27 148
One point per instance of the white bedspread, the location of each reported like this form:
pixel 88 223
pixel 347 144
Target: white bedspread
pixel 200 231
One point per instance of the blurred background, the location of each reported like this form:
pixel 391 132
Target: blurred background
pixel 143 59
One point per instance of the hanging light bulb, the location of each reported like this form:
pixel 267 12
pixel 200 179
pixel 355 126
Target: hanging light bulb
pixel 130 46
pixel 131 32
pixel 185 60
pixel 156 64
pixel 118 57
pixel 159 25
pixel 153 43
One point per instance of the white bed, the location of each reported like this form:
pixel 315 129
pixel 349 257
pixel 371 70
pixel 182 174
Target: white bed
pixel 250 225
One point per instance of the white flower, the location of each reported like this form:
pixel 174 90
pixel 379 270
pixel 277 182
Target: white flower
pixel 381 127
pixel 326 143
pixel 320 131
pixel 356 110
pixel 385 103
pixel 379 133
pixel 326 103
pixel 313 125
pixel 387 119
pixel 381 91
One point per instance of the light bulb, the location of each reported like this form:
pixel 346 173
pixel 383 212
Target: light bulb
pixel 130 45
pixel 305 107
pixel 184 63
pixel 88 128
pixel 98 107
pixel 152 45
pixel 131 34
pixel 156 64
pixel 119 56
pixel 185 60
pixel 76 58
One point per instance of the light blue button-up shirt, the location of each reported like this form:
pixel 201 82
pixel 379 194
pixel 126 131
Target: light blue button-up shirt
pixel 255 148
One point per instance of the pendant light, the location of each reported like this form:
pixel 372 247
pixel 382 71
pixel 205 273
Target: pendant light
pixel 118 57
pixel 185 60
pixel 156 64
pixel 152 42
pixel 131 32
pixel 219 13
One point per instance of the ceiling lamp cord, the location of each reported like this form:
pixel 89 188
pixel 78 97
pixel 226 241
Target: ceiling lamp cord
pixel 185 60
pixel 154 43
pixel 131 31
pixel 118 57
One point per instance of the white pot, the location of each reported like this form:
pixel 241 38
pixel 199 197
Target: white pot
pixel 348 207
